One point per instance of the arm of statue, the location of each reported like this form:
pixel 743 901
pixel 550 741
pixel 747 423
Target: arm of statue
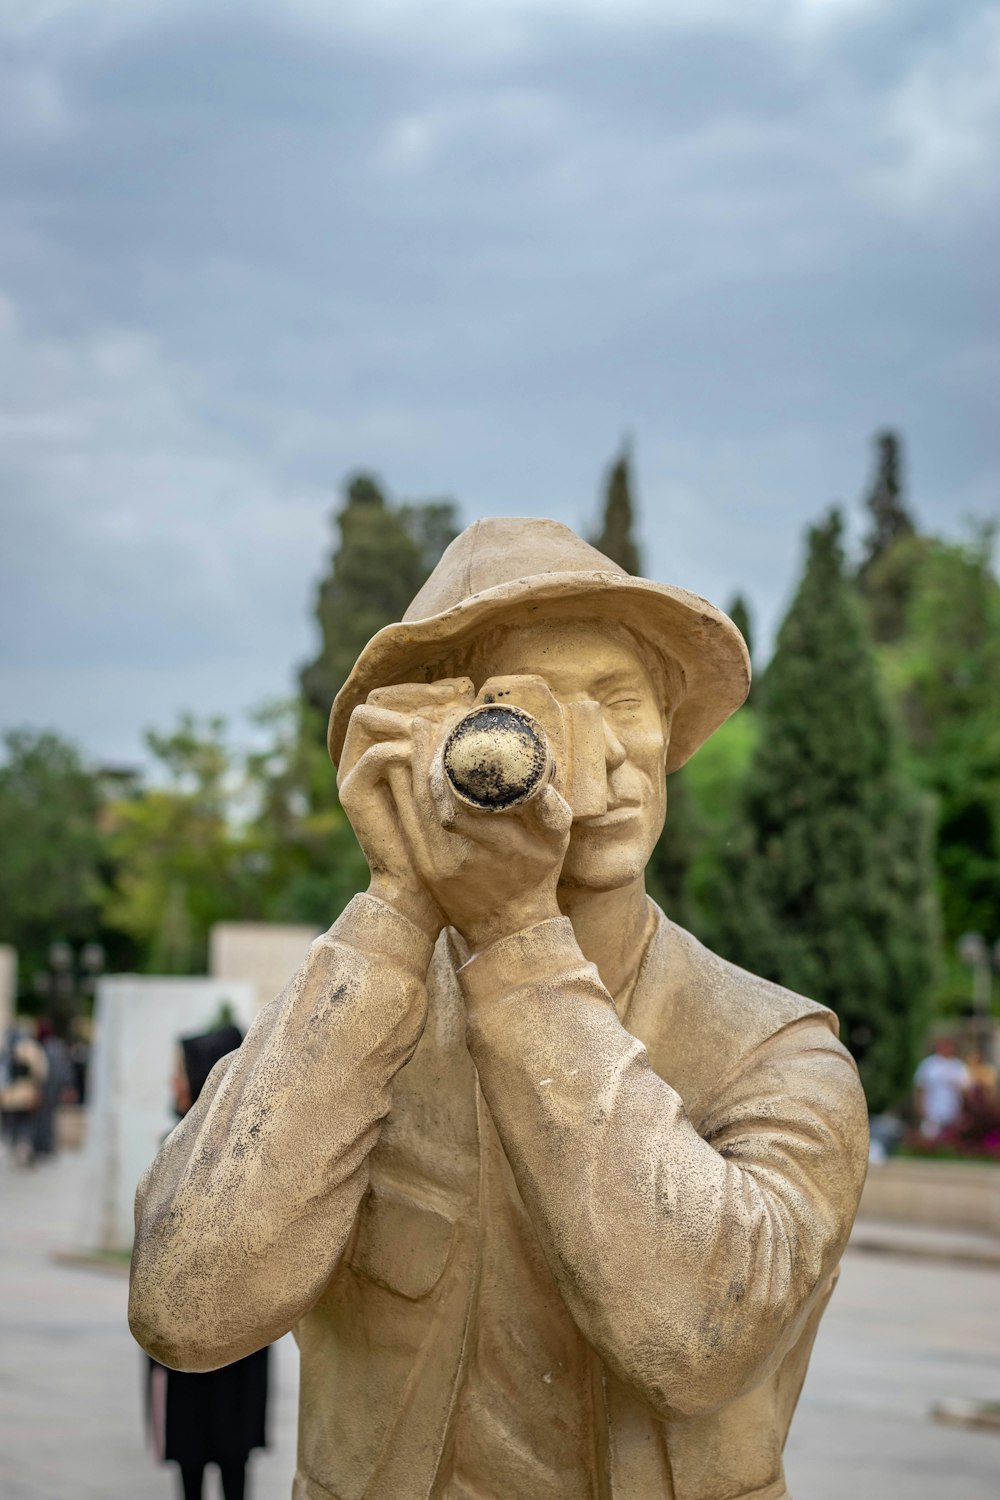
pixel 245 1212
pixel 689 1263
pixel 242 1217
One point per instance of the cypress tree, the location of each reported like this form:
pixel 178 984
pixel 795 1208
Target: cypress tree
pixel 826 883
pixel 890 517
pixel 892 549
pixel 615 539
pixel 739 612
pixel 384 555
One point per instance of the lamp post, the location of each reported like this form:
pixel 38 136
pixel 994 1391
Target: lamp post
pixel 68 976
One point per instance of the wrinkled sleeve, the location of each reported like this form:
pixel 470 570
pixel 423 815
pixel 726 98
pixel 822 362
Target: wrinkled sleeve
pixel 690 1259
pixel 242 1217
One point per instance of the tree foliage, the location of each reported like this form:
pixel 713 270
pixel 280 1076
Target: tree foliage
pixel 669 867
pixel 944 671
pixel 825 882
pixel 739 612
pixel 51 874
pixel 223 834
pixel 179 859
pixel 384 554
pixel 886 572
pixel 308 860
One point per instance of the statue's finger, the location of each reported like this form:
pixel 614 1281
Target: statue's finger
pixel 369 725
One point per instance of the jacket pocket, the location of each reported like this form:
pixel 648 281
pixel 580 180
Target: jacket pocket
pixel 401 1244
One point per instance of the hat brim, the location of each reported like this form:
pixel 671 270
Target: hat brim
pixel 678 624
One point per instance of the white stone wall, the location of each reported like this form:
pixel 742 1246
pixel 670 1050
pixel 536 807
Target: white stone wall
pixel 137 1024
pixel 8 985
pixel 265 953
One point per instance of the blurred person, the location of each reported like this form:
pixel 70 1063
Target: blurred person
pixel 941 1081
pixel 56 1089
pixel 23 1071
pixel 982 1073
pixel 216 1417
pixel 79 1055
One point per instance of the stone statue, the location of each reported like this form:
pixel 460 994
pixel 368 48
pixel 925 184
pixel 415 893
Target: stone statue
pixel 552 1197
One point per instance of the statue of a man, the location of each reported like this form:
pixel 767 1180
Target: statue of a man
pixel 552 1196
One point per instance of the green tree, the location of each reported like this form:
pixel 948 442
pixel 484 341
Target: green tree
pixel 944 672
pixel 181 858
pixel 885 576
pixel 51 870
pixel 714 779
pixel 739 612
pixel 615 539
pixel 934 607
pixel 669 867
pixel 384 555
pixel 825 883
pixel 308 860
pixel 222 834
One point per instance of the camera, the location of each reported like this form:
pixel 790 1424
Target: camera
pixel 518 738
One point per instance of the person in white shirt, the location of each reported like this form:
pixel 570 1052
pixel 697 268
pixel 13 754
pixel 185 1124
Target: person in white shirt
pixel 941 1082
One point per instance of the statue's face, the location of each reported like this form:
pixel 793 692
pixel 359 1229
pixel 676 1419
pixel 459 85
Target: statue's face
pixel 581 661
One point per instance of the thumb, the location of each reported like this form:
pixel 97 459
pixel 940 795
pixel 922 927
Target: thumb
pixel 552 812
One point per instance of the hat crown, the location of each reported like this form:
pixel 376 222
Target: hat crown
pixel 499 550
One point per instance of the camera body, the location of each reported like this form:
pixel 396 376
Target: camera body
pixel 517 738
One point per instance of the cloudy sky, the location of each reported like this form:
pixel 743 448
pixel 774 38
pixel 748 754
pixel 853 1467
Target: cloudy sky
pixel 248 247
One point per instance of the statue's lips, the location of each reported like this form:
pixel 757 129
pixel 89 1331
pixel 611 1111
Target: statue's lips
pixel 622 812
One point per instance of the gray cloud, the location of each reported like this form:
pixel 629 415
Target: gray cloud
pixel 242 251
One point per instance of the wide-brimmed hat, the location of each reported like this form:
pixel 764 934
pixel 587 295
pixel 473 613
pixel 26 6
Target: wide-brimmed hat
pixel 533 570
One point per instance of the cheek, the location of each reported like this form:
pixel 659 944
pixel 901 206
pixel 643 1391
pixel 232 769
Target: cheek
pixel 645 747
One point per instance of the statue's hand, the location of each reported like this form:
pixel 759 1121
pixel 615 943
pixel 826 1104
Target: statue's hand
pixel 486 873
pixel 375 774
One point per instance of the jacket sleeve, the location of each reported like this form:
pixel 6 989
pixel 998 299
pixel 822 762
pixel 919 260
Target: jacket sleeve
pixel 689 1260
pixel 244 1214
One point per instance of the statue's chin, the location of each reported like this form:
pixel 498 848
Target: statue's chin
pixel 601 861
pixel 601 869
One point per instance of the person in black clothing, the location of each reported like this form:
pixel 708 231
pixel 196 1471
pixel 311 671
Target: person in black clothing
pixel 56 1089
pixel 218 1417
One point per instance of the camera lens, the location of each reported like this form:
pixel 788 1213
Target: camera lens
pixel 496 757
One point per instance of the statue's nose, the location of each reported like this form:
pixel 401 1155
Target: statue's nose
pixel 614 750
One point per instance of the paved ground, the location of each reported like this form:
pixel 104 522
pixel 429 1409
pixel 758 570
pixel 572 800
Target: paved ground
pixel 71 1425
pixel 900 1334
